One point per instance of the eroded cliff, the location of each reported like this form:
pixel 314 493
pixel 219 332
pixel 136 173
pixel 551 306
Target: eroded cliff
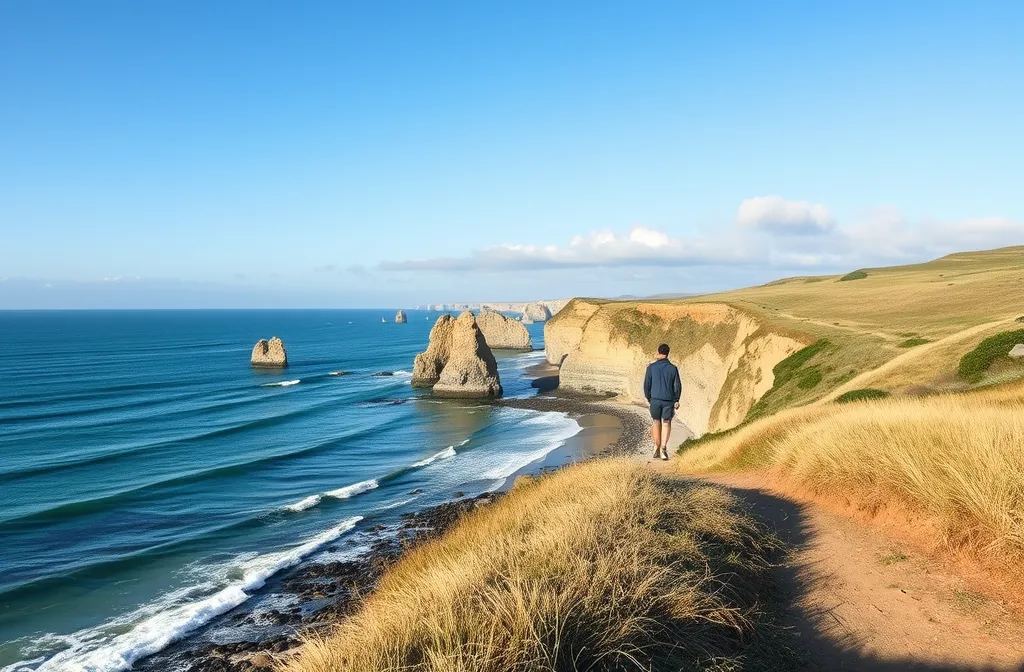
pixel 725 356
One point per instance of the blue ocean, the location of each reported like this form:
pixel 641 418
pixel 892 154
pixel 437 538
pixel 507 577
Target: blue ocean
pixel 151 480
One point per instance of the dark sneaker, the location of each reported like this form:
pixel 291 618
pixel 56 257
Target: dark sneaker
pixel 664 453
pixel 657 452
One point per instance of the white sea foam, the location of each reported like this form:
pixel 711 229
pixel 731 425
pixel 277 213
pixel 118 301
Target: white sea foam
pixel 153 627
pixel 443 455
pixel 557 428
pixel 530 359
pixel 353 490
pixel 303 504
pixel 398 503
pixel 283 383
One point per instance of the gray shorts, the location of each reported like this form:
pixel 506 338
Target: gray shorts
pixel 662 410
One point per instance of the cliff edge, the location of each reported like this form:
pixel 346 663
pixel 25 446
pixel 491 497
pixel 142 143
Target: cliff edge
pixel 725 356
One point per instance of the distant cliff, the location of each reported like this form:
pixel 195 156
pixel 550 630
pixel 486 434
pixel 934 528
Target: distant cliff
pixel 553 306
pixel 725 356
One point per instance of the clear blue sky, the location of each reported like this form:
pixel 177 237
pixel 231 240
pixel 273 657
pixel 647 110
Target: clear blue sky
pixel 349 154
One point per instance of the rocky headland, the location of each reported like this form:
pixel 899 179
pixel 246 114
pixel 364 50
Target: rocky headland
pixel 269 354
pixel 502 332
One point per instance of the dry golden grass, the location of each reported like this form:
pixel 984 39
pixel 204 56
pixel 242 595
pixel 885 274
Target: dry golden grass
pixel 927 368
pixel 933 300
pixel 601 566
pixel 866 320
pixel 956 459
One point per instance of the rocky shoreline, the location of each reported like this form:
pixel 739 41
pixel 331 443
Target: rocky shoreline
pixel 324 593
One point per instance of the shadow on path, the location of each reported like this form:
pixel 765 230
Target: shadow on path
pixel 817 637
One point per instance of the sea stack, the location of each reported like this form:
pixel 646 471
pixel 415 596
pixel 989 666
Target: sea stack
pixel 536 312
pixel 426 369
pixel 471 372
pixel 400 317
pixel 502 332
pixel 458 362
pixel 269 354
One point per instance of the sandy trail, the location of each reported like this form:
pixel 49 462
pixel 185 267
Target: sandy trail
pixel 858 599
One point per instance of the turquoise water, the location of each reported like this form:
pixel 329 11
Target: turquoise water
pixel 152 480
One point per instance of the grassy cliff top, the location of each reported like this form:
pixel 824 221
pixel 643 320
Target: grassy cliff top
pixel 918 319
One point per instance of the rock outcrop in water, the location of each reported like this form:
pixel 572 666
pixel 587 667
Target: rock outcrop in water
pixel 458 361
pixel 471 371
pixel 400 317
pixel 725 356
pixel 427 367
pixel 536 312
pixel 503 332
pixel 269 354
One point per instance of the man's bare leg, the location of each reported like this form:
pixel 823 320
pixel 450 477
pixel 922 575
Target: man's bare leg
pixel 666 432
pixel 656 435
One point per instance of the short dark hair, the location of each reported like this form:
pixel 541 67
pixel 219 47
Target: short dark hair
pixel 663 349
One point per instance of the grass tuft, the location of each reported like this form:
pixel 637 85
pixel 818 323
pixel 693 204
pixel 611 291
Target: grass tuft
pixel 914 342
pixel 861 395
pixel 892 558
pixel 600 566
pixel 975 363
pixel 956 459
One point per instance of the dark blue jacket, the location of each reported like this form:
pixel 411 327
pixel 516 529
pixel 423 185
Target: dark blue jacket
pixel 662 381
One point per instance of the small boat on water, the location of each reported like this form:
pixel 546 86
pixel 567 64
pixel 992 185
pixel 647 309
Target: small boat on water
pixel 383 320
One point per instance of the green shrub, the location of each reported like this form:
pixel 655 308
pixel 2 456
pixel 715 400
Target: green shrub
pixel 788 368
pixel 856 275
pixel 809 379
pixel 976 362
pixel 914 342
pixel 861 395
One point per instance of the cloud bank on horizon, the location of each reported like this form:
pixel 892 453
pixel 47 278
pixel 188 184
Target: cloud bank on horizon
pixel 785 235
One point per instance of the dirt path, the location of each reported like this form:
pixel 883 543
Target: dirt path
pixel 856 599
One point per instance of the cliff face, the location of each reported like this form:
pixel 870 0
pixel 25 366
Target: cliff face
pixel 725 356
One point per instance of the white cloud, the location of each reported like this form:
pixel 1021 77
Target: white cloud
pixel 769 233
pixel 775 214
pixel 639 247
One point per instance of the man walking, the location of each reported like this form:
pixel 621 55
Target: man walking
pixel 662 388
